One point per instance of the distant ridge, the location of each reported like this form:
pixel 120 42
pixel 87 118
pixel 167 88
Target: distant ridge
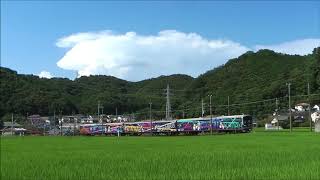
pixel 252 76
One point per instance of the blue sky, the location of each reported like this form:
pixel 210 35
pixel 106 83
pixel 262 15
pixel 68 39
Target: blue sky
pixel 30 31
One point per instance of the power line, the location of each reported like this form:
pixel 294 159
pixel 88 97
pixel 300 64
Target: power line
pixel 239 104
pixel 224 105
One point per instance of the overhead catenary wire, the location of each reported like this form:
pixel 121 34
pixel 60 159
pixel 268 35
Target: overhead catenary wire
pixel 206 106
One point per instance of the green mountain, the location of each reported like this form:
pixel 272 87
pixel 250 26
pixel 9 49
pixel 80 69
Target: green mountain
pixel 250 77
pixel 258 76
pixel 29 94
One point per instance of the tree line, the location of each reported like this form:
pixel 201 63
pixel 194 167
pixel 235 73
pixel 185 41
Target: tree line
pixel 252 76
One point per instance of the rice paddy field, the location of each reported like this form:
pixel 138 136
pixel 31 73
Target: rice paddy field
pixel 256 155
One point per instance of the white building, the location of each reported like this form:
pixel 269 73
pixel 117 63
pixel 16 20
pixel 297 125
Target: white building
pixel 302 107
pixel 316 119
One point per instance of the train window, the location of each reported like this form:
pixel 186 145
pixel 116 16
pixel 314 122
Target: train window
pixel 238 119
pixel 247 119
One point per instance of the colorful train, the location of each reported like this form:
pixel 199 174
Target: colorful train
pixel 235 123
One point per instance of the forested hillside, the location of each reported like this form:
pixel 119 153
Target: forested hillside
pixel 250 77
pixel 258 76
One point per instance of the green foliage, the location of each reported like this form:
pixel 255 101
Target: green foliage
pixel 251 77
pixel 315 69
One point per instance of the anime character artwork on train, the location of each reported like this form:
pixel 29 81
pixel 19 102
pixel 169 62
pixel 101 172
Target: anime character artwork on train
pixel 240 123
pixel 92 129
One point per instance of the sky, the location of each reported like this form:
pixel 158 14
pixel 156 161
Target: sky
pixel 141 40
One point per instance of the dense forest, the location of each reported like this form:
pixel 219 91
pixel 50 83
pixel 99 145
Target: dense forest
pixel 251 77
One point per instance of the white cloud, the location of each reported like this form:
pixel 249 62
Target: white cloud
pixel 45 74
pixel 135 57
pixel 299 47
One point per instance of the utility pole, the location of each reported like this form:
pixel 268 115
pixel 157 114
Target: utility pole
pixel 102 110
pixel 60 122
pixel 289 84
pixel 99 111
pixel 228 106
pixel 168 106
pixel 116 114
pixel 210 114
pixel 277 109
pixel 74 123
pixel 44 128
pixel 202 108
pixel 183 113
pixel 101 118
pixel 150 105
pixel 11 124
pixel 132 117
pixel 54 121
pixel 309 107
pixel 27 119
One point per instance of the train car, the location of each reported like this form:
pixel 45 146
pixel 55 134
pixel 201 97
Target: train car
pixel 238 123
pixel 241 123
pixel 145 126
pixel 193 126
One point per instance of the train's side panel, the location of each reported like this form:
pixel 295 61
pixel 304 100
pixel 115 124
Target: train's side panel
pixel 92 130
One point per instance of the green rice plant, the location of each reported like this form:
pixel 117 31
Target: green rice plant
pixel 257 155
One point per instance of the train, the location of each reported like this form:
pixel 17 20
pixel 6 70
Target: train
pixel 192 126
